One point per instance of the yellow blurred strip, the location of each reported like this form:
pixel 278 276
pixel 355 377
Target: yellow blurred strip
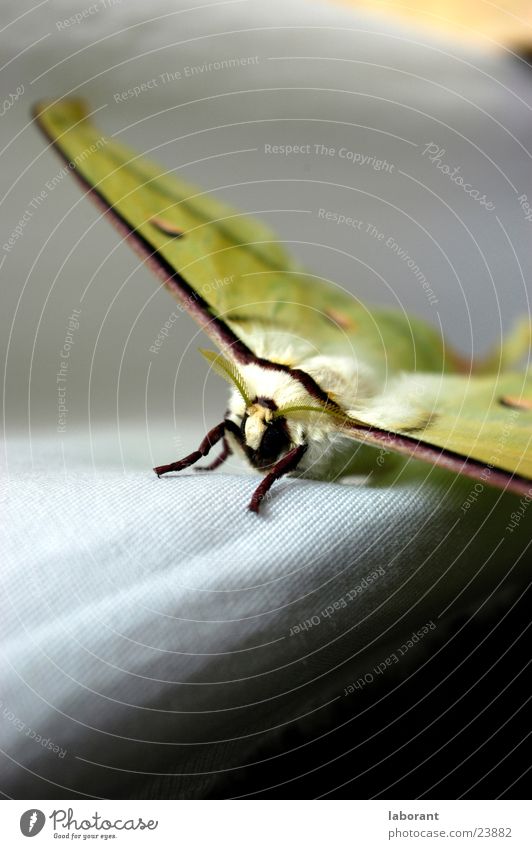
pixel 507 23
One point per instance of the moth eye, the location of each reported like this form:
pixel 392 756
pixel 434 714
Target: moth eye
pixel 243 424
pixel 516 403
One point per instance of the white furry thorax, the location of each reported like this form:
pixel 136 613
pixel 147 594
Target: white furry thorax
pixel 350 385
pixel 336 376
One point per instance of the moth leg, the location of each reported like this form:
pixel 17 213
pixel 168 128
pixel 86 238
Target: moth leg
pixel 226 452
pixel 211 439
pixel 286 464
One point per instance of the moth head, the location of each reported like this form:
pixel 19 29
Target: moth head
pixel 270 431
pixel 270 426
pixel 266 436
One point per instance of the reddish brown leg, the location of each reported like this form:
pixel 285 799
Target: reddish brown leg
pixel 226 452
pixel 211 439
pixel 286 464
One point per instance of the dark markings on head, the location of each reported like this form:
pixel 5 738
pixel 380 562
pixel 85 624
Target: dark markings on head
pixel 274 443
pixel 269 403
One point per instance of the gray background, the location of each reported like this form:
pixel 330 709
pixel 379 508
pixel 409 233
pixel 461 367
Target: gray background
pixel 323 76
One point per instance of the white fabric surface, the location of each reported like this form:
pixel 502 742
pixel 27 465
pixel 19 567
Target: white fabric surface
pixel 145 623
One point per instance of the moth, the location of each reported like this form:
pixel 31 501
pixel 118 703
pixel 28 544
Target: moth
pixel 321 384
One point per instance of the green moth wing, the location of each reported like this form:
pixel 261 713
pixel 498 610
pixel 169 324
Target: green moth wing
pixel 225 265
pixel 475 425
pixel 232 275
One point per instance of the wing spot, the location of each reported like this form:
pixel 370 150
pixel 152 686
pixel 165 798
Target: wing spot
pixel 422 423
pixel 166 226
pixel 516 403
pixel 339 318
